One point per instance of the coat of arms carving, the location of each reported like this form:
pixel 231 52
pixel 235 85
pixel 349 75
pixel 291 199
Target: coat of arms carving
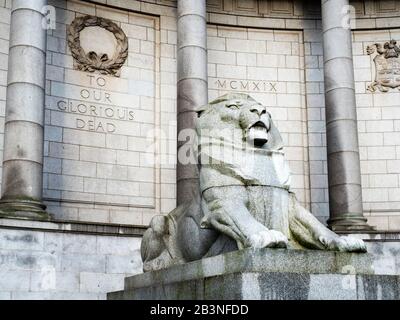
pixel 387 66
pixel 94 61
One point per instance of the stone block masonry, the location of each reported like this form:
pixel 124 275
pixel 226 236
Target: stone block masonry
pixel 268 65
pixel 80 130
pixel 40 261
pixel 43 265
pixel 314 81
pixel 100 130
pixel 379 133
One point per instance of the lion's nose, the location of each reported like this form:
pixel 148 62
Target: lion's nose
pixel 260 110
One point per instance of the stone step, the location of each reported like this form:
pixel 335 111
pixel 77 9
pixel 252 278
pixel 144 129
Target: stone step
pixel 271 286
pixel 266 274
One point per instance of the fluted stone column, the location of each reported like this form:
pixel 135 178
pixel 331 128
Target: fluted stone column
pixel 192 86
pixel 23 140
pixel 345 198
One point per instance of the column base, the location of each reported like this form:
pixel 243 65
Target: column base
pixel 349 222
pixel 23 209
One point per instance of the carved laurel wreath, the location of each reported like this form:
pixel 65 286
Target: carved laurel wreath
pixel 93 61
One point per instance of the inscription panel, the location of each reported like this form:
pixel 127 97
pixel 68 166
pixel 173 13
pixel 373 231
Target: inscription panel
pixel 268 65
pixel 99 150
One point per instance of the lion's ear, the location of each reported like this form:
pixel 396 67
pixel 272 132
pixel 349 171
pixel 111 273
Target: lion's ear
pixel 276 141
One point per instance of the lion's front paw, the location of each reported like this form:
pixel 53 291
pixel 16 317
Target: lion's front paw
pixel 344 244
pixel 268 239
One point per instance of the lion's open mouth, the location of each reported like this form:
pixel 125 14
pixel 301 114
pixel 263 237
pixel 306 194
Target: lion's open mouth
pixel 258 134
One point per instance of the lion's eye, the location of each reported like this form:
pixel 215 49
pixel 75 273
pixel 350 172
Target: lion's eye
pixel 233 106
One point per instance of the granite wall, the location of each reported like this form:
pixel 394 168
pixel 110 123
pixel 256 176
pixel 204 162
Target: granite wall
pixel 43 264
pixel 102 133
pixel 379 134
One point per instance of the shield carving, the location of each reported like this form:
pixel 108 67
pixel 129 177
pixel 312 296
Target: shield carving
pixel 387 66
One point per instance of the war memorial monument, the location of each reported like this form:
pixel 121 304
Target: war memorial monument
pixel 193 149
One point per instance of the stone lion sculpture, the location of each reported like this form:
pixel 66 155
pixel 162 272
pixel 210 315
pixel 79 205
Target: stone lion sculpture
pixel 245 198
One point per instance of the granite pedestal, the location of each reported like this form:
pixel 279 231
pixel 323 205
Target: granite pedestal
pixel 265 274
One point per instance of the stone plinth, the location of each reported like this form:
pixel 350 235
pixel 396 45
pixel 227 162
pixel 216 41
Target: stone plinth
pixel 266 274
